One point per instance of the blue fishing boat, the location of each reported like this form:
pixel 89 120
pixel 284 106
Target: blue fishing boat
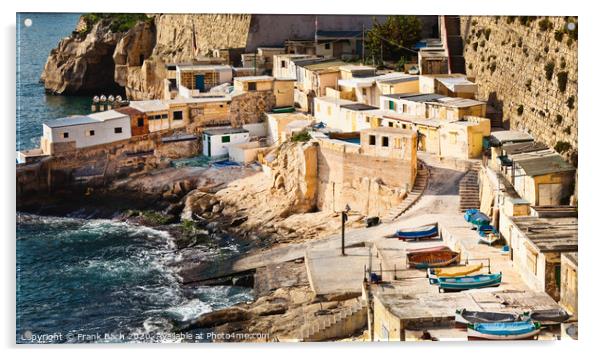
pixel 488 234
pixel 468 213
pixel 520 330
pixel 417 233
pixel 469 282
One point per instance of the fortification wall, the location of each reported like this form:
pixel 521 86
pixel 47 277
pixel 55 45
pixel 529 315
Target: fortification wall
pixel 527 69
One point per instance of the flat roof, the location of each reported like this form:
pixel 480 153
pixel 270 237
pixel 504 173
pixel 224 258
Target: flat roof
pixel 224 131
pixel 504 136
pixel 524 147
pixel 200 99
pixel 388 130
pixel 324 66
pixel 129 110
pixel 209 67
pixel 71 120
pixel 416 97
pixel 545 165
pixel 358 106
pixel 333 100
pixel 458 84
pixel 107 115
pixel 98 117
pixel 253 78
pixel 458 102
pixel 146 106
pixel 293 115
pixel 549 234
pixel 395 77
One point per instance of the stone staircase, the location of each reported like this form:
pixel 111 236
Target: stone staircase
pixel 341 324
pixel 419 186
pixel 455 45
pixel 469 188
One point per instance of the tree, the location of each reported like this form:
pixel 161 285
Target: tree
pixel 392 39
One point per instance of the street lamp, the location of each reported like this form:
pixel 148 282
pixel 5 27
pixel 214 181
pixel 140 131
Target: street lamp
pixel 343 220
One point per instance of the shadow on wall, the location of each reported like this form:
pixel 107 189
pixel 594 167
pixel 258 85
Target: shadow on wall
pixel 495 111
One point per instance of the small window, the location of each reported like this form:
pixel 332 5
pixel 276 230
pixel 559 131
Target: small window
pixel 140 122
pixel 163 116
pixel 404 126
pixel 404 108
pixel 385 141
pixel 65 135
pixel 252 86
pixel 390 124
pixel 327 46
pixel 177 115
pixel 90 133
pixel 283 64
pixel 226 139
pixel 118 130
pixel 391 105
pixel 364 91
pixel 372 140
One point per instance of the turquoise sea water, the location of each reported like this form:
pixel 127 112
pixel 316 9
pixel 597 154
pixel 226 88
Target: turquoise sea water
pixel 33 44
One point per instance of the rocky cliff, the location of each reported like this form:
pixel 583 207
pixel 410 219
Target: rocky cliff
pixel 100 56
pixel 526 67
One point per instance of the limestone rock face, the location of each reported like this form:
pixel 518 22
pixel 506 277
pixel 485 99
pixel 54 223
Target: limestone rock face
pixel 82 64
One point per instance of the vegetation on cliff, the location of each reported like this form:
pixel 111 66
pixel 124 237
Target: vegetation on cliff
pixel 118 22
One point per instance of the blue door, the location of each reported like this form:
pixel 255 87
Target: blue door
pixel 199 82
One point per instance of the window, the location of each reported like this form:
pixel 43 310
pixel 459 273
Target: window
pixel 118 130
pixel 327 46
pixel 372 140
pixel 391 105
pixel 164 116
pixel 177 115
pixel 283 64
pixel 65 135
pixel 390 124
pixel 404 126
pixel 252 86
pixel 90 133
pixel 140 122
pixel 385 141
pixel 404 108
pixel 364 91
pixel 226 139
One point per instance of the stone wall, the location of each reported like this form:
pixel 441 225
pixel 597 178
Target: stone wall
pixel 511 59
pixel 369 185
pixel 249 107
pixel 99 165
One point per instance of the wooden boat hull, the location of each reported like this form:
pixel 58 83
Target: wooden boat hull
pixel 424 260
pixel 429 249
pixel 417 233
pixel 457 271
pixel 469 282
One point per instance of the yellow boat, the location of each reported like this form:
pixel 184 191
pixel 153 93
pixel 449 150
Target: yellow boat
pixel 457 271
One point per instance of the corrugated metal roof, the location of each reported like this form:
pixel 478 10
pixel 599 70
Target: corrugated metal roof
pixel 548 164
pixel 328 65
pixel 518 148
pixel 416 97
pixel 145 106
pixel 71 120
pixel 549 234
pixel 505 136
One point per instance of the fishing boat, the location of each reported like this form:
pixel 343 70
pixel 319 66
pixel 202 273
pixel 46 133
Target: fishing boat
pixel 479 219
pixel 417 233
pixel 429 249
pixel 441 258
pixel 464 317
pixel 489 238
pixel 469 213
pixel 469 282
pixel 520 330
pixel 549 317
pixel 463 270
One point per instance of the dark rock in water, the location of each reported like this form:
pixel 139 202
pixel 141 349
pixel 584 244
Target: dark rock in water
pixel 238 221
pixel 220 317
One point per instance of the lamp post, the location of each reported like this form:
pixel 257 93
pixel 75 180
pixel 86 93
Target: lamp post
pixel 343 220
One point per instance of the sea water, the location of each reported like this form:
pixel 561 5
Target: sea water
pixel 106 280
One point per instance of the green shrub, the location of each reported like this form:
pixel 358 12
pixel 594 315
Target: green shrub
pixel 562 147
pixel 520 109
pixel 302 136
pixel 569 42
pixel 118 22
pixel 549 69
pixel 562 80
